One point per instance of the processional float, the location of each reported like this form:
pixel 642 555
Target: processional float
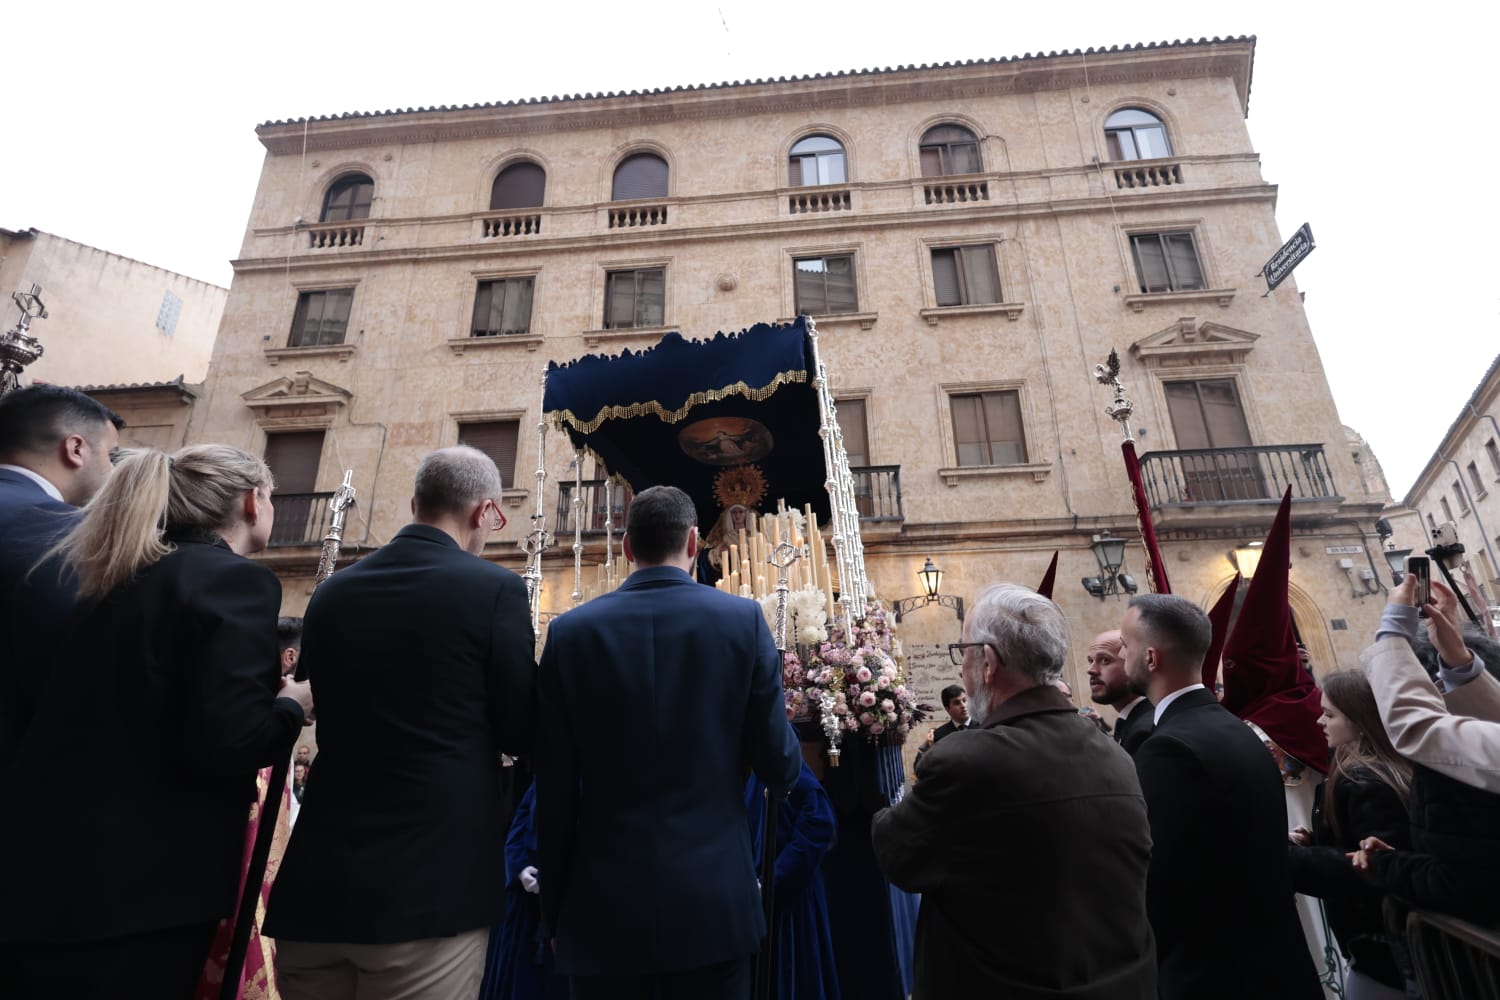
pixel 745 424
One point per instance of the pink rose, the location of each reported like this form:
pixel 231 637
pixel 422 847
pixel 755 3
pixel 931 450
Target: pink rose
pixel 863 675
pixel 888 705
pixel 841 709
pixel 877 729
pixel 865 718
pixel 867 699
pixel 812 675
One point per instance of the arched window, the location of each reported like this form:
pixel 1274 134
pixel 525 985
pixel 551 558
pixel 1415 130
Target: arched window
pixel 643 175
pixel 1133 134
pixel 818 159
pixel 520 185
pixel 349 198
pixel 949 149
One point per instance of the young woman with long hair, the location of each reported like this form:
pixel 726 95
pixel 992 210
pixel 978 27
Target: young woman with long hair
pixel 128 797
pixel 1366 794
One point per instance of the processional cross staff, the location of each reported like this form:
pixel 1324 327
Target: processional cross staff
pixel 1121 409
pixel 18 348
pixel 260 853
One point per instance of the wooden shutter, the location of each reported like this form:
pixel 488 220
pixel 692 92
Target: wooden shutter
pixel 852 423
pixel 294 459
pixel 497 439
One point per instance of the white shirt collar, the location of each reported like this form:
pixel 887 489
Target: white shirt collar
pixel 1124 710
pixel 41 481
pixel 1162 707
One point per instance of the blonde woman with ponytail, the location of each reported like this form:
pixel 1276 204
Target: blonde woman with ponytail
pixel 162 699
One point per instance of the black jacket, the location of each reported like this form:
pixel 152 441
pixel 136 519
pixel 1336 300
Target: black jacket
pixel 34 603
pixel 128 797
pixel 1451 867
pixel 420 658
pixel 1220 889
pixel 1131 730
pixel 1366 807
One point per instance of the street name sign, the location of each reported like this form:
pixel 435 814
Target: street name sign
pixel 1288 257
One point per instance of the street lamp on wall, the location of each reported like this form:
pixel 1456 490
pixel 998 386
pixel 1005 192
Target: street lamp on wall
pixel 932 582
pixel 1395 558
pixel 1109 553
pixel 1246 558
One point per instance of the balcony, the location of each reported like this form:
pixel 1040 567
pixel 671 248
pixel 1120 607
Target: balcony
pixel 877 492
pixel 639 215
pixel 1200 487
pixel 1149 174
pixel 818 200
pixel 510 224
pixel 592 510
pixel 301 519
pixel 955 192
pixel 330 235
pixel 877 496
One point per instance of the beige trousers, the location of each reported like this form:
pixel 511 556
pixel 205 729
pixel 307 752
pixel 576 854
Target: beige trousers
pixel 434 969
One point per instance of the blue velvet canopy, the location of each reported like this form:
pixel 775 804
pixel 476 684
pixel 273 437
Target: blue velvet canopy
pixel 734 410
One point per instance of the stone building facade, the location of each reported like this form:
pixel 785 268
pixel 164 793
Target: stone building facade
pixel 1458 486
pixel 110 319
pixel 971 239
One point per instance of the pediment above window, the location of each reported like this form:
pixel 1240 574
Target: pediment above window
pixel 300 390
pixel 1189 342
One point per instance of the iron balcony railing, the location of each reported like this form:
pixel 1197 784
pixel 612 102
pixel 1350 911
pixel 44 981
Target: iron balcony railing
pixel 877 492
pixel 1236 475
pixel 877 495
pixel 301 518
pixel 592 509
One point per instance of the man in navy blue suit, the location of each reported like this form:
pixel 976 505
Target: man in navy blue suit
pixel 55 448
pixel 654 699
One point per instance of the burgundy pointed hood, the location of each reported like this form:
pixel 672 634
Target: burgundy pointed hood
pixel 1264 681
pixel 1219 616
pixel 1045 588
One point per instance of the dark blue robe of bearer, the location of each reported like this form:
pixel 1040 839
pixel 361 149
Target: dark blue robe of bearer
pixel 519 966
pixel 805 830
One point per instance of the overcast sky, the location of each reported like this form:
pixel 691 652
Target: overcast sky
pixel 132 129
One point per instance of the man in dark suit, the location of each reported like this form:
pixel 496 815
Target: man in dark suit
pixel 1108 685
pixel 1220 891
pixel 55 449
pixel 421 655
pixel 1011 830
pixel 653 699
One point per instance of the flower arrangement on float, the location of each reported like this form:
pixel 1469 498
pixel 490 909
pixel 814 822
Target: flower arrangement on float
pixel 850 680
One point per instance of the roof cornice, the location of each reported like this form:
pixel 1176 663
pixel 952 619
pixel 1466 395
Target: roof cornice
pixel 1232 58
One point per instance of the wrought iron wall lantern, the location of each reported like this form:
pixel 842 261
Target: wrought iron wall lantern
pixel 1109 552
pixel 932 582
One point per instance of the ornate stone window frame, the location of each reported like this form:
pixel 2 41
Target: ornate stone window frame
pixel 951 472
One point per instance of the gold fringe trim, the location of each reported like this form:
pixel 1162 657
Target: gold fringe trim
pixel 567 418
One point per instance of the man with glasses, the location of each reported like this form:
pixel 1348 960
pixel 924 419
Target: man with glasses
pixel 1012 829
pixel 55 451
pixel 422 657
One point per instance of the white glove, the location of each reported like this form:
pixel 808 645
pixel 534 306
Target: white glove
pixel 529 880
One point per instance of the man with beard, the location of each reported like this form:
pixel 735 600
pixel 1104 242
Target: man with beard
pixel 1012 825
pixel 1219 893
pixel 1109 686
pixel 56 450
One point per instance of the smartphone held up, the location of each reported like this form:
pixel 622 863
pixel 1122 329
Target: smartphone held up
pixel 1420 568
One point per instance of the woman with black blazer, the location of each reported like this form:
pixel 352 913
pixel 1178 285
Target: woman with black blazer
pixel 128 798
pixel 1366 794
